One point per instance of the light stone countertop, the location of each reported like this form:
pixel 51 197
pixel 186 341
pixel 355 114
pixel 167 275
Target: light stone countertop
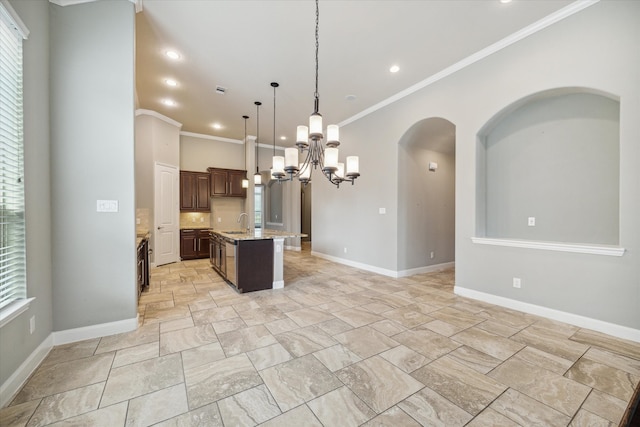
pixel 257 234
pixel 141 235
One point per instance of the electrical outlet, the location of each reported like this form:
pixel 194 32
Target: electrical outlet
pixel 517 282
pixel 202 219
pixel 432 255
pixel 32 324
pixel 345 250
pixel 531 221
pixel 219 219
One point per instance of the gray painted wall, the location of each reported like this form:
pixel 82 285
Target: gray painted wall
pixel 92 158
pixel 198 154
pixel 17 343
pixel 156 141
pixel 426 208
pixel 426 199
pixel 595 48
pixel 556 159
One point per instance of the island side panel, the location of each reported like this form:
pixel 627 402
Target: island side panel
pixel 278 263
pixel 255 265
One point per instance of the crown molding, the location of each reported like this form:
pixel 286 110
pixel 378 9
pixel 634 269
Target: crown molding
pixel 543 23
pixel 230 140
pixel 143 112
pixel 137 3
pixel 211 137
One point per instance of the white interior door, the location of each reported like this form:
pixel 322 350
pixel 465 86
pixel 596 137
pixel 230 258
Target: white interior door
pixel 166 214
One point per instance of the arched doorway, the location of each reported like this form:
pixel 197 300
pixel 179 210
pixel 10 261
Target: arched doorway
pixel 426 197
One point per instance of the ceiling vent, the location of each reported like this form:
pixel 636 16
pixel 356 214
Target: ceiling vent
pixel 220 90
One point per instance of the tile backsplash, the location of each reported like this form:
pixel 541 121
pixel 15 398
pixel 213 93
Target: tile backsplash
pixel 195 220
pixel 142 220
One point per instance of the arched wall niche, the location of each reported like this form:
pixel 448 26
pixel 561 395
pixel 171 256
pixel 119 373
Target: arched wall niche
pixel 552 158
pixel 426 198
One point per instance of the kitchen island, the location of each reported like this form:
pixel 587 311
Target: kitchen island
pixel 250 260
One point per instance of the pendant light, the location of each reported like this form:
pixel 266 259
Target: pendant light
pixel 245 181
pixel 310 139
pixel 277 167
pixel 257 178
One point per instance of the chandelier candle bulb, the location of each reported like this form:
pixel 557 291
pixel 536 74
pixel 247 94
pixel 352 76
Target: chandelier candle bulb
pixel 331 158
pixel 353 166
pixel 305 172
pixel 340 171
pixel 315 125
pixel 302 136
pixel 278 166
pixel 333 135
pixel 291 159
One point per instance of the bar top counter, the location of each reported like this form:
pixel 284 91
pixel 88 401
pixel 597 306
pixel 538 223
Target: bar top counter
pixel 257 234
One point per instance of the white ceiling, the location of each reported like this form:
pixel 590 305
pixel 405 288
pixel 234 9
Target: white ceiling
pixel 244 45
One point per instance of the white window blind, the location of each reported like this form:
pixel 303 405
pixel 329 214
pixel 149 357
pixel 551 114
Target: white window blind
pixel 12 226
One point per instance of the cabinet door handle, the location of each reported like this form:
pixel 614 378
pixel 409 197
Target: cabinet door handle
pixel 194 245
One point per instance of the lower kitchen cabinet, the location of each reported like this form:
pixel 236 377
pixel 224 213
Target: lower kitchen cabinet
pixel 194 243
pixel 143 266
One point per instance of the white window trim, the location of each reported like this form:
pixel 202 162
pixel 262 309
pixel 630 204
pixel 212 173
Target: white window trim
pixel 19 26
pixel 552 246
pixel 16 308
pixel 13 310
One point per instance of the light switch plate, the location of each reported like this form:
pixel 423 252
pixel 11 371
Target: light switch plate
pixel 382 211
pixel 107 206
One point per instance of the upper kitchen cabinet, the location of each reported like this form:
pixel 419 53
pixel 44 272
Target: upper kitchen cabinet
pixel 227 182
pixel 194 191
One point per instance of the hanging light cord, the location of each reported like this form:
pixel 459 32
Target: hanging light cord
pixel 245 140
pixel 274 117
pixel 257 131
pixel 316 94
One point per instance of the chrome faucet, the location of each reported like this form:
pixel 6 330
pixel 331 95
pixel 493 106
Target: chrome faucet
pixel 240 219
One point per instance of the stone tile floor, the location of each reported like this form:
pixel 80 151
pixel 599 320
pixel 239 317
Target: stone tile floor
pixel 336 347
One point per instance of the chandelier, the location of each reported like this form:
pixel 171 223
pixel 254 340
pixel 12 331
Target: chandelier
pixel 309 140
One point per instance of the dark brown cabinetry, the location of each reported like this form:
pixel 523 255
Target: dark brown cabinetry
pixel 143 266
pixel 194 244
pixel 194 191
pixel 218 254
pixel 227 182
pixel 245 264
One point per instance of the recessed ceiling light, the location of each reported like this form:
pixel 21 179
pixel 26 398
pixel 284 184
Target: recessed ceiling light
pixel 505 1
pixel 172 54
pixel 217 126
pixel 171 82
pixel 169 102
pixel 350 97
pixel 394 69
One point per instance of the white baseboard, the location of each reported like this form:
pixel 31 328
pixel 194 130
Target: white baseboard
pixel 384 271
pixel 361 266
pixel 14 383
pixel 95 331
pixel 293 248
pixel 613 329
pixel 426 269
